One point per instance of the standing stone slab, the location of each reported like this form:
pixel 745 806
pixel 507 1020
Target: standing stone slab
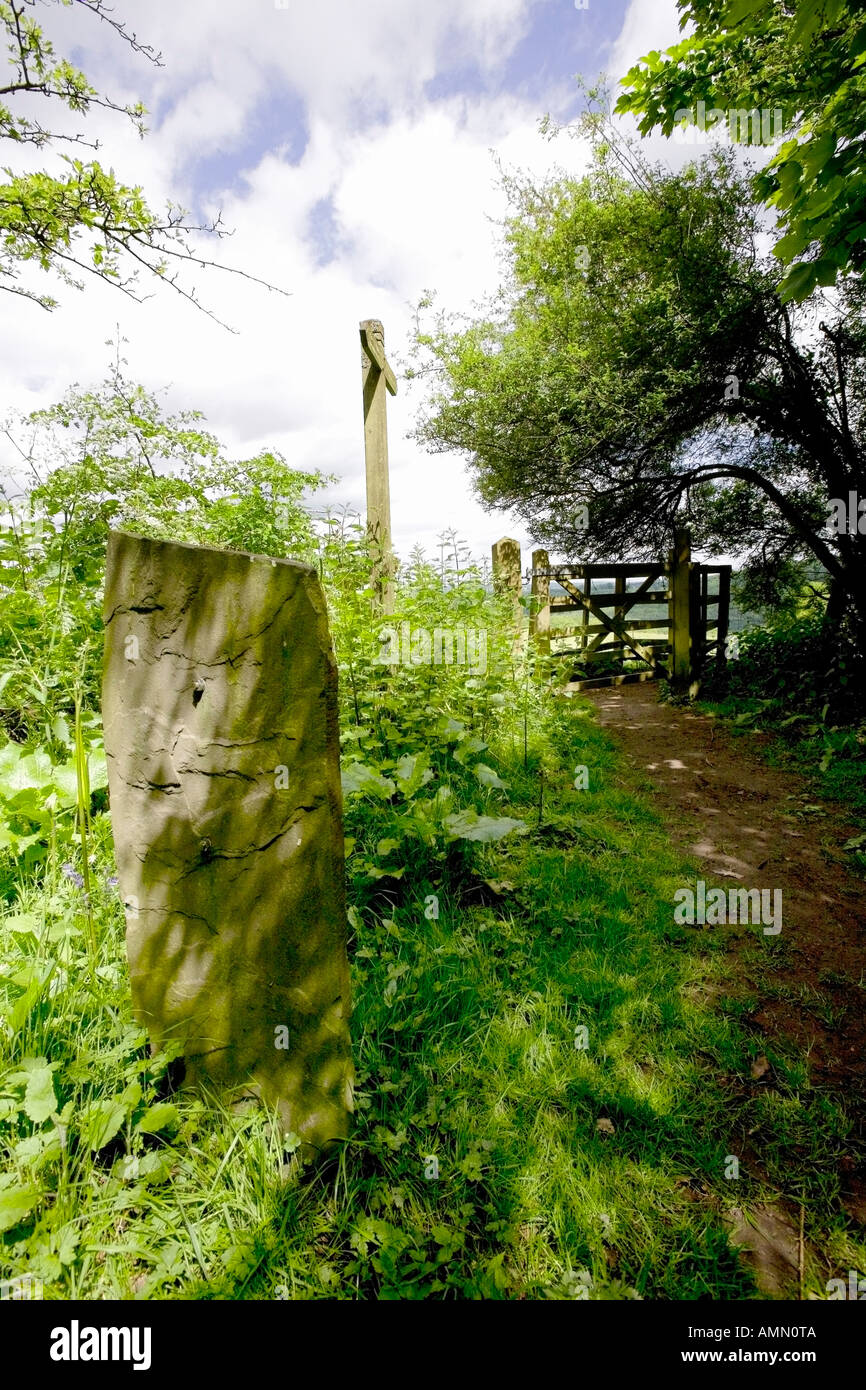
pixel 507 579
pixel 220 715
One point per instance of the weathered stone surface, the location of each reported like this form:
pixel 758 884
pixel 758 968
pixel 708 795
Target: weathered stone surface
pixel 507 579
pixel 220 714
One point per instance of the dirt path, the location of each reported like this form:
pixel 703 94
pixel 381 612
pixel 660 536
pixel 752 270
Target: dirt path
pixel 749 824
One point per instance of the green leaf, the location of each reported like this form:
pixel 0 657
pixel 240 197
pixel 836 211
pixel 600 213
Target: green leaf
pixel 157 1117
pixel 386 847
pixel 488 777
pixel 412 772
pixel 798 283
pixel 20 1011
pixel 15 1204
pixel 67 1244
pixel 102 1123
pixel 39 1098
pixel 468 825
pixel 825 270
pixel 24 923
pixel 373 871
pixel 738 10
pixel 19 771
pixel 358 779
pixel 60 730
pixel 790 245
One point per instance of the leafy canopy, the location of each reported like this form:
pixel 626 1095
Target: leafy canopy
pixel 806 59
pixel 638 361
pixel 80 218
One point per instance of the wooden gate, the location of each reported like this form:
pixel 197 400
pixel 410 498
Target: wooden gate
pixel 637 622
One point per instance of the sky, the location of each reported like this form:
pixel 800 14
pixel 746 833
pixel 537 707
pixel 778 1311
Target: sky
pixel 349 145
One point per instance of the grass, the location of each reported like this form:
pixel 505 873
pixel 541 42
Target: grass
pixel 499 1150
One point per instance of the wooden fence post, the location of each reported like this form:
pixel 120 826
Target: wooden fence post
pixel 724 613
pixel 681 607
pixel 697 620
pixel 539 612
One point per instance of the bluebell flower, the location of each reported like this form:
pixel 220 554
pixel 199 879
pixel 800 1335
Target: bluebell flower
pixel 73 875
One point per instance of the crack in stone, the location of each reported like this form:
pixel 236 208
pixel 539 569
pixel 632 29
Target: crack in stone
pixel 245 853
pixel 250 742
pixel 228 742
pixel 230 772
pixel 170 788
pixel 195 662
pixel 134 608
pixel 254 636
pixel 179 912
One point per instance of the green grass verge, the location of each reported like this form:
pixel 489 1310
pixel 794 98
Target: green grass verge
pixel 550 1087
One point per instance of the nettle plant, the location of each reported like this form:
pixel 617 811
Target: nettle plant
pixel 422 722
pixel 103 459
pixel 420 782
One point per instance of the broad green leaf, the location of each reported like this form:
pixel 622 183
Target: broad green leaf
pixel 412 772
pixel 20 1010
pixel 15 1204
pixel 41 1147
pixel 798 283
pixel 156 1118
pixel 815 153
pixel 790 245
pixel 60 730
pixel 97 769
pixel 24 923
pixel 22 770
pixel 67 1244
pixel 39 1098
pixel 468 825
pixel 102 1122
pixel 358 779
pixel 826 271
pixel 488 777
pixel 386 847
pixel 739 10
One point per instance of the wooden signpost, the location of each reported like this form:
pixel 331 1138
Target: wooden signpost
pixel 377 378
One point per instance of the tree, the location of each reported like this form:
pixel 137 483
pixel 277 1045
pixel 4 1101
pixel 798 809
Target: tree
pixel 112 457
pixel 81 219
pixel 638 362
pixel 804 59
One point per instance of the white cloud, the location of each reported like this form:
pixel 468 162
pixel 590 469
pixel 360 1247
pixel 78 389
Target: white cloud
pixel 413 195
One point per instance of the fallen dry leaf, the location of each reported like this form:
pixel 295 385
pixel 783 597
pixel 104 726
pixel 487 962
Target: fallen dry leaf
pixel 768 1242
